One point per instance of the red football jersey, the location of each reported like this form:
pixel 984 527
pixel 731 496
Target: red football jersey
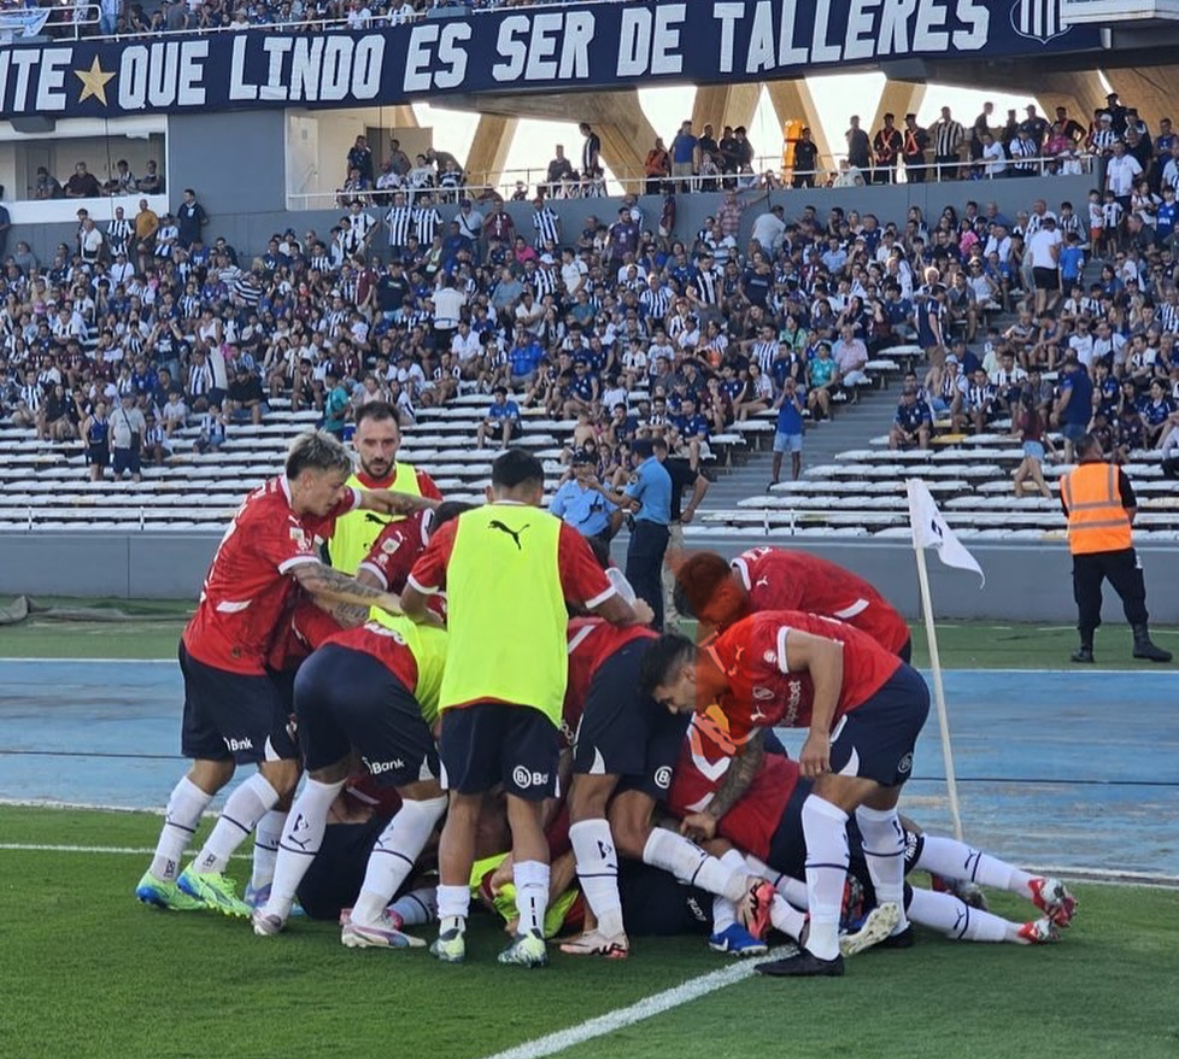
pixel 591 642
pixel 779 579
pixel 244 601
pixel 705 758
pixel 396 549
pixel 763 693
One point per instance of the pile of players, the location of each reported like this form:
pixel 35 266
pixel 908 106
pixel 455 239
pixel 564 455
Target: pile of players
pixel 426 655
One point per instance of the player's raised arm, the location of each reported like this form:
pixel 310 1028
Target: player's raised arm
pixel 822 659
pixel 388 502
pixel 324 582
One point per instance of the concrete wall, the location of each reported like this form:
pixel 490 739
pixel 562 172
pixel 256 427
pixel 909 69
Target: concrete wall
pixel 244 188
pixel 1024 582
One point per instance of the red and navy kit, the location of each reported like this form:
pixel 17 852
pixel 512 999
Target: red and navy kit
pixel 246 594
pixel 705 757
pixel 778 579
pixel 619 731
pixel 383 644
pixel 591 642
pixel 764 693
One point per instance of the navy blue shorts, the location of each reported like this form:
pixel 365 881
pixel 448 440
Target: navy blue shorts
pixel 906 652
pixel 625 734
pixel 334 879
pixel 348 700
pixel 655 904
pixel 788 846
pixel 875 741
pixel 232 716
pixel 489 743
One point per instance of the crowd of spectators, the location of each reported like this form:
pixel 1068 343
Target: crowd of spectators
pixel 573 313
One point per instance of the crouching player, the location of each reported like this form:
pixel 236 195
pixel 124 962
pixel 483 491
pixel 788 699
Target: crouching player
pixel 625 750
pixel 372 690
pixel 766 823
pixel 720 593
pixel 864 708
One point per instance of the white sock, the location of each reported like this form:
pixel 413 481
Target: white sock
pixel 946 914
pixel 454 904
pixel 245 807
pixel 417 907
pixel 532 894
pixel 825 828
pixel 597 871
pixel 692 866
pixel 181 818
pixel 394 855
pixel 793 890
pixel 301 839
pixel 724 911
pixel 884 851
pixel 786 918
pixel 957 860
pixel 267 835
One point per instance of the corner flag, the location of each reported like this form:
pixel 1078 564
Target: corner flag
pixel 930 530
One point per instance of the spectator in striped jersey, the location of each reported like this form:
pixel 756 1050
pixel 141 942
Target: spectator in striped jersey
pixel 545 223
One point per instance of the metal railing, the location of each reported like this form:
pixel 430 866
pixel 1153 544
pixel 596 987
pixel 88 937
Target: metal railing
pixel 767 176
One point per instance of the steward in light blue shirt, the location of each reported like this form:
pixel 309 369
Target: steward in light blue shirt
pixel 581 504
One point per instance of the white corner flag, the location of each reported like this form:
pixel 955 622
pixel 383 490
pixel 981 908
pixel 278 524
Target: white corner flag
pixel 930 530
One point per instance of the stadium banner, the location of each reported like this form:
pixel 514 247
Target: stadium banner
pixel 573 47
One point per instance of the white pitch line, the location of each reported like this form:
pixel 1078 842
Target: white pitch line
pixel 101 661
pixel 685 993
pixel 32 847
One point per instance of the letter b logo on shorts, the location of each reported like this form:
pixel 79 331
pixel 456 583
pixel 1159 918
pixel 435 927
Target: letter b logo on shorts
pixel 663 778
pixel 524 779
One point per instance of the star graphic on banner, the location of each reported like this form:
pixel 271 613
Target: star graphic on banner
pixel 94 82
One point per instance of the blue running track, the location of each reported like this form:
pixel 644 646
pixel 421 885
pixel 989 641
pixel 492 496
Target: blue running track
pixel 1072 768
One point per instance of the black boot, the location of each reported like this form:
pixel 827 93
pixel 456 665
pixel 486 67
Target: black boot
pixel 1084 653
pixel 1145 648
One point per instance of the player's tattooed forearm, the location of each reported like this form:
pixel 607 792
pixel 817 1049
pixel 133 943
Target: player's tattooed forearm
pixel 741 772
pixel 323 579
pixel 348 615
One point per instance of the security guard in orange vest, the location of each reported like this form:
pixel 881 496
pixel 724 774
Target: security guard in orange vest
pixel 1100 505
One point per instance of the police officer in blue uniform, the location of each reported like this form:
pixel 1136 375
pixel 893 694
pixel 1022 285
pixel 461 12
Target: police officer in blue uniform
pixel 583 506
pixel 648 495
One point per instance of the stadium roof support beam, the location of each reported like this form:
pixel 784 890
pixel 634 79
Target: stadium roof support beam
pixel 898 98
pixel 792 101
pixel 1080 93
pixel 489 148
pixel 721 105
pixel 626 133
pixel 617 118
pixel 1154 90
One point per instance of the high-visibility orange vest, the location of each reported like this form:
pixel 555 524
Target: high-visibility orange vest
pixel 1097 522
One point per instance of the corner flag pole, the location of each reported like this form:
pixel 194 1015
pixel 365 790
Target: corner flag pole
pixel 935 661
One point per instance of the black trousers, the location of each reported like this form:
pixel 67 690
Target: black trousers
pixel 644 564
pixel 1123 571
